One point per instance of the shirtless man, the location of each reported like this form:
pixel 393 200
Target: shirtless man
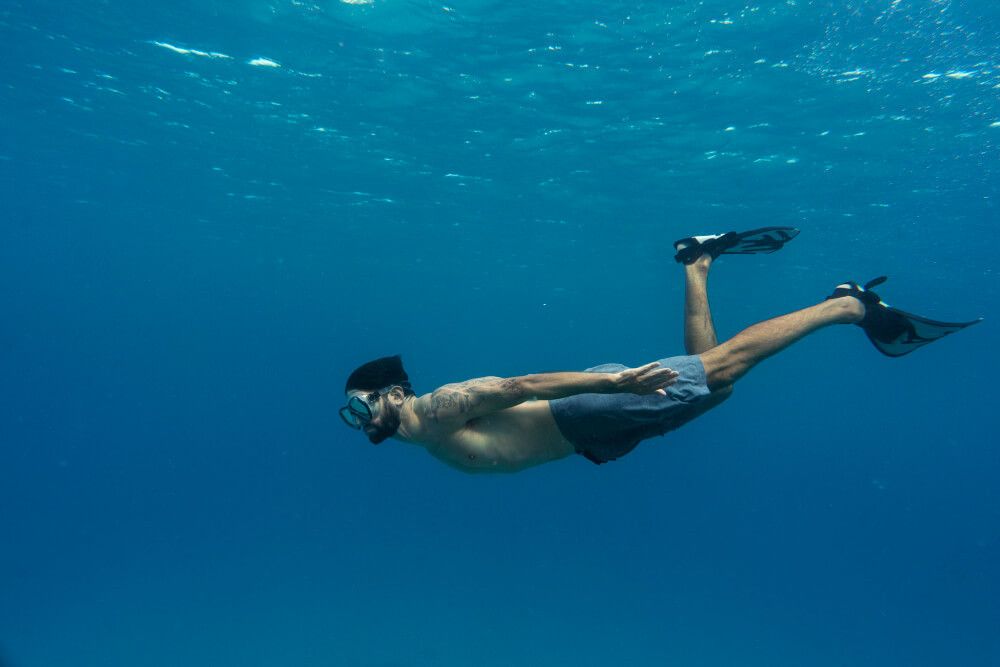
pixel 495 424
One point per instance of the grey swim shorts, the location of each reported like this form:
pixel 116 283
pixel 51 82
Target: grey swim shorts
pixel 604 427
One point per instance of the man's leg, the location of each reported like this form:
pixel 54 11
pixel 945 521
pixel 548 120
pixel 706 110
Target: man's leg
pixel 699 330
pixel 728 362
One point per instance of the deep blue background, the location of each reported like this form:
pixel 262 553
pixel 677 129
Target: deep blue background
pixel 196 250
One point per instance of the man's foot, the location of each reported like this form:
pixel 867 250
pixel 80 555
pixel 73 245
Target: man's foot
pixel 691 249
pixel 854 307
pixel 766 240
pixel 702 264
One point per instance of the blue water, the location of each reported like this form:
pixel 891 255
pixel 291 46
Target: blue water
pixel 213 211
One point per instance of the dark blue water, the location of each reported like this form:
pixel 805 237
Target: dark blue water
pixel 213 211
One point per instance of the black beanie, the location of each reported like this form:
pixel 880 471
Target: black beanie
pixel 378 374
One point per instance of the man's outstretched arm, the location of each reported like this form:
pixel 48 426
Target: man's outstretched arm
pixel 475 398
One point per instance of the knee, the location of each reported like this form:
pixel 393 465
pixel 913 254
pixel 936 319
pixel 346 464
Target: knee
pixel 719 371
pixel 723 392
pixel 715 398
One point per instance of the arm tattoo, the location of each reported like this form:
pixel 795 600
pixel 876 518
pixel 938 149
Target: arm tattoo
pixel 465 397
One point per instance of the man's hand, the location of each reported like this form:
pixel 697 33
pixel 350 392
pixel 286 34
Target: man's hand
pixel 648 379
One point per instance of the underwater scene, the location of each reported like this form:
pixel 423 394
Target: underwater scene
pixel 215 212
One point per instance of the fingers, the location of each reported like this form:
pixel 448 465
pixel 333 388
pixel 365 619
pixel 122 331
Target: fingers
pixel 657 381
pixel 664 375
pixel 647 379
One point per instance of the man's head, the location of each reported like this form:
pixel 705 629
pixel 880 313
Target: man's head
pixel 375 393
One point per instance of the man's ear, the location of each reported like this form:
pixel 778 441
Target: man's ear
pixel 396 394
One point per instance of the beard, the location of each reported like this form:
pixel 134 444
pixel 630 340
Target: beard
pixel 387 426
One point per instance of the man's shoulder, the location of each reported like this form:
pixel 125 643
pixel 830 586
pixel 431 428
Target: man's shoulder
pixel 426 410
pixel 464 385
pixel 452 402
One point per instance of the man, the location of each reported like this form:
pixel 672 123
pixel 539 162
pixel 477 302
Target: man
pixel 494 424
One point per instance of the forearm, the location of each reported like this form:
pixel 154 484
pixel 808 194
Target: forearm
pixel 475 398
pixel 547 386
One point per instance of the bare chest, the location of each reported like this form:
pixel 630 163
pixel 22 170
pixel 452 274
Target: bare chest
pixel 508 440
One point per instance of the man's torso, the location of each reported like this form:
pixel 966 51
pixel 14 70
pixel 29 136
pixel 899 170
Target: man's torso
pixel 503 441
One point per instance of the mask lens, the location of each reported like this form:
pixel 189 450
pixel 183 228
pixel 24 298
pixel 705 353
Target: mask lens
pixel 357 413
pixel 360 408
pixel 350 418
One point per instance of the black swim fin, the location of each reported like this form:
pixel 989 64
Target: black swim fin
pixel 756 241
pixel 895 332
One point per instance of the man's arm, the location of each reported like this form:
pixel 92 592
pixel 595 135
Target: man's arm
pixel 475 398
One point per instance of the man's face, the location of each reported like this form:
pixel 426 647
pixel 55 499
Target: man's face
pixel 385 416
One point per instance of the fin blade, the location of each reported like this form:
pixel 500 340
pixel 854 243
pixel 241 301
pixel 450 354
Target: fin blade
pixel 762 241
pixel 916 332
